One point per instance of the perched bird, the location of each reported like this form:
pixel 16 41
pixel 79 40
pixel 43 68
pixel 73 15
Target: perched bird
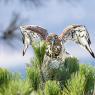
pixel 55 43
pixel 55 52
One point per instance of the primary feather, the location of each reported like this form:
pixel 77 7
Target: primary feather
pixel 32 33
pixel 78 34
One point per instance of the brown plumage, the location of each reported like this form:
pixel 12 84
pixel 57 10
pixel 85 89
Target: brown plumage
pixel 68 29
pixel 76 33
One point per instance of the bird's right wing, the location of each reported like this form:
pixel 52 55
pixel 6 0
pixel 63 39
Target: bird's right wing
pixel 32 33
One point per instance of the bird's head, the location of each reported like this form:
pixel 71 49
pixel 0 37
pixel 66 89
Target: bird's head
pixel 54 45
pixel 53 39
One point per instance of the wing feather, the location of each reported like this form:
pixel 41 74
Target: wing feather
pixel 68 29
pixel 31 33
pixel 35 30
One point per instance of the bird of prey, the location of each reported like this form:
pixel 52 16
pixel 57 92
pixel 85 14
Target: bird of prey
pixel 55 47
pixel 55 52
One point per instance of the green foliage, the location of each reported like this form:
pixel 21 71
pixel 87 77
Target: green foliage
pixel 70 66
pixel 82 82
pixel 39 50
pixel 89 73
pixel 75 78
pixel 75 85
pixel 4 76
pixel 16 86
pixel 34 63
pixel 52 88
pixel 94 89
pixel 33 75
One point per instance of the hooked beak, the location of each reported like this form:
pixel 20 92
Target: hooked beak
pixel 90 51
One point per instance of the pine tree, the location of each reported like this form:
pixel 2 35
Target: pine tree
pixel 71 78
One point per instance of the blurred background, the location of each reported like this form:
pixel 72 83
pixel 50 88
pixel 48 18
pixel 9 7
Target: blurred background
pixel 54 15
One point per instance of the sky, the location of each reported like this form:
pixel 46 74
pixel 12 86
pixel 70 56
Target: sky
pixel 54 16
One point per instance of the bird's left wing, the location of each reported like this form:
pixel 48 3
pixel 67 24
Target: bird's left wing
pixel 32 33
pixel 78 34
pixel 65 34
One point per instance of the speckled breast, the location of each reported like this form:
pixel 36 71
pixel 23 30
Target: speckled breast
pixel 53 50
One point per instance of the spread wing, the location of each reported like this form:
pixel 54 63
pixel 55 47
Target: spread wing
pixel 78 34
pixel 67 31
pixel 32 33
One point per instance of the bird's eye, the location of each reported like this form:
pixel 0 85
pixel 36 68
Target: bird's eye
pixel 56 37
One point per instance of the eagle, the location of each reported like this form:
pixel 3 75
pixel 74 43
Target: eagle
pixel 55 53
pixel 55 43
